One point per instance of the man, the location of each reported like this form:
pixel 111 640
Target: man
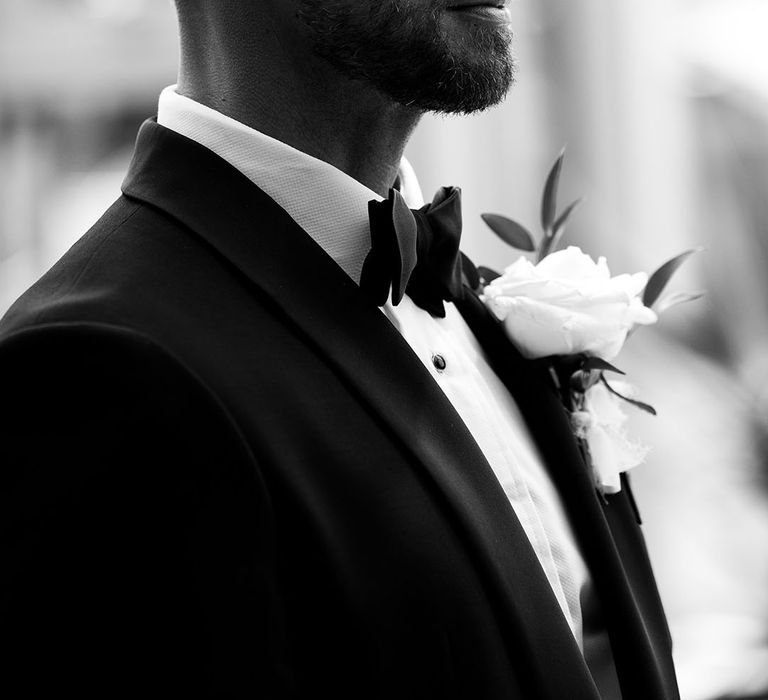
pixel 241 463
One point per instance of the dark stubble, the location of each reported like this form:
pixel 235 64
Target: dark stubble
pixel 400 47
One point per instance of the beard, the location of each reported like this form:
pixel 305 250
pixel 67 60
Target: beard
pixel 401 48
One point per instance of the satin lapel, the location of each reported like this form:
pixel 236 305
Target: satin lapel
pixel 321 304
pixel 634 635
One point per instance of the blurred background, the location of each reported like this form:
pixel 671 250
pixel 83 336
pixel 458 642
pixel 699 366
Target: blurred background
pixel 663 107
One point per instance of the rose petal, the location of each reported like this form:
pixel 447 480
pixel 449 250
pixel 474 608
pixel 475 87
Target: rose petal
pixel 604 406
pixel 610 450
pixel 572 264
pixel 537 329
pixel 601 450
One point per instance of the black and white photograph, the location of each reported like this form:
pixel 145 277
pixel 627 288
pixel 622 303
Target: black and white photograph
pixel 384 349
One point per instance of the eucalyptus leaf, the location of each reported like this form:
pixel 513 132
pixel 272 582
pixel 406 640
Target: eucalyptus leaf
pixel 637 404
pixel 592 363
pixel 487 275
pixel 510 231
pixel 563 218
pixel 676 298
pixel 659 279
pixel 549 197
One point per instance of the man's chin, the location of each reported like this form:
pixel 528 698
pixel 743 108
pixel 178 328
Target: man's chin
pixel 463 104
pixel 466 89
pixel 445 60
pixel 478 62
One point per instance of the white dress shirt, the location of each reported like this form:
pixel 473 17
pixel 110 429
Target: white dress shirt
pixel 332 208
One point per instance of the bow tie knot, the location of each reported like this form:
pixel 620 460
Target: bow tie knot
pixel 415 251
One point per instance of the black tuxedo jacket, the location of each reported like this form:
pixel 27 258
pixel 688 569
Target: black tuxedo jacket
pixel 226 475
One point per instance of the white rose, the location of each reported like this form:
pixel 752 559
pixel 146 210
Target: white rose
pixel 567 304
pixel 601 424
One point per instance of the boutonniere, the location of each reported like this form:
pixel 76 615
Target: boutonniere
pixel 567 311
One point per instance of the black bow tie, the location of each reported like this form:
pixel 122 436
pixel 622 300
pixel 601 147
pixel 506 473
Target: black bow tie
pixel 415 251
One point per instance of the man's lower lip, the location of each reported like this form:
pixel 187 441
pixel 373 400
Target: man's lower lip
pixel 486 13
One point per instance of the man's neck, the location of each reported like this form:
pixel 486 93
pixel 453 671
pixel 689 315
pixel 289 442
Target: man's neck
pixel 305 103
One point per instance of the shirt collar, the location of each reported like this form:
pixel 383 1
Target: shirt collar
pixel 328 204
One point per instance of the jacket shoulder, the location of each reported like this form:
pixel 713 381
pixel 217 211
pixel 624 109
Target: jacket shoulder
pixel 133 260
